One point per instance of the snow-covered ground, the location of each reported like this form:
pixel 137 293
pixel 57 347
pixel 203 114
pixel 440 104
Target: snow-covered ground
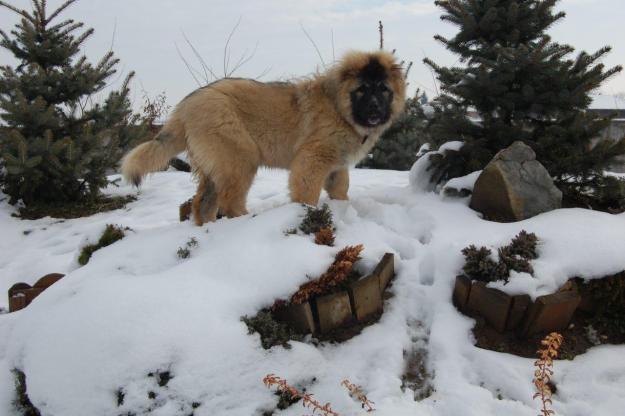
pixel 137 308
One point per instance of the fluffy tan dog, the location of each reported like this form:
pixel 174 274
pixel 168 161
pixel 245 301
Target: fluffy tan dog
pixel 317 128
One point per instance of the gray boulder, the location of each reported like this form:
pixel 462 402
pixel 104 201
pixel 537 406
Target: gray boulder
pixel 515 186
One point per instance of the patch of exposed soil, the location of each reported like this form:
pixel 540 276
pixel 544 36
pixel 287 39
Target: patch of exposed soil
pixel 75 210
pixel 578 338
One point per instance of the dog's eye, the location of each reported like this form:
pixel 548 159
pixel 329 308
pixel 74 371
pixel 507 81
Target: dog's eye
pixel 360 92
pixel 384 89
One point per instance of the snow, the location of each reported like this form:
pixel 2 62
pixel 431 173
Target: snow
pixel 420 173
pixel 428 111
pixel 463 182
pixel 137 308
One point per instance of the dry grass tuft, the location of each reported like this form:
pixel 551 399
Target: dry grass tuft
pixel 356 392
pixel 337 273
pixel 308 401
pixel 544 370
pixel 325 237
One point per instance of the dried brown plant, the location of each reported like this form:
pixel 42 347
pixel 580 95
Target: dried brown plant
pixel 308 401
pixel 544 370
pixel 356 391
pixel 325 237
pixel 338 271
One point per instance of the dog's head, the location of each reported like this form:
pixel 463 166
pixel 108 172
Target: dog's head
pixel 371 90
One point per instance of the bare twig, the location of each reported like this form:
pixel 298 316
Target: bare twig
pixel 245 58
pixel 314 45
pixel 227 47
pixel 189 68
pixel 207 69
pixel 332 37
pixel 114 35
pixel 265 72
pixel 381 30
pixel 432 73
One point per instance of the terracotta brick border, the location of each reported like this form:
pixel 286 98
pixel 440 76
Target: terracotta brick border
pixel 361 301
pixel 516 313
pixel 22 294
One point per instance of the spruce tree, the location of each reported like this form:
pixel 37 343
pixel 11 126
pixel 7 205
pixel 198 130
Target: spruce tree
pixel 523 86
pixel 57 145
pixel 398 146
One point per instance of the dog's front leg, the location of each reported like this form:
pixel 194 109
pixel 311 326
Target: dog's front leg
pixel 337 184
pixel 309 171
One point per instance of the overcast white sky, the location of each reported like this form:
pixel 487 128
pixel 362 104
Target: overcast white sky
pixel 147 32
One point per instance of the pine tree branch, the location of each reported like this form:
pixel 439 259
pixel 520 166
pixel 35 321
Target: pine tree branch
pixel 6 39
pixel 40 11
pixel 60 9
pixel 61 25
pixel 72 27
pixel 81 39
pixel 21 12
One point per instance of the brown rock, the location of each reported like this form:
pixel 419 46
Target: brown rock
pixel 366 296
pixel 515 186
pixel 492 304
pixel 551 312
pixel 334 311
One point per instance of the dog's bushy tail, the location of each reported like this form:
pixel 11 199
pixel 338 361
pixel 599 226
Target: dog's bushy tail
pixel 154 155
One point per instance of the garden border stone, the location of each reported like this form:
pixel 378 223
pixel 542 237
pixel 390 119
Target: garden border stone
pixel 516 313
pixel 22 294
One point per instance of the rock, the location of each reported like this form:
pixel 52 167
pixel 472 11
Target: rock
pixel 515 186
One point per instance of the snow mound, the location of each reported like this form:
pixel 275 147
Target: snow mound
pixel 137 309
pixel 463 182
pixel 420 173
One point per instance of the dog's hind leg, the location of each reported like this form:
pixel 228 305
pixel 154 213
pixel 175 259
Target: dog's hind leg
pixel 233 184
pixel 205 202
pixel 223 150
